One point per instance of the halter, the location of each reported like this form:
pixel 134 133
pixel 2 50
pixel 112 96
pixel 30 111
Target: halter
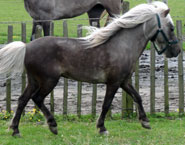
pixel 168 42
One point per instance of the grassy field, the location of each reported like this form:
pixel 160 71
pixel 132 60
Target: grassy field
pixel 122 132
pixel 13 13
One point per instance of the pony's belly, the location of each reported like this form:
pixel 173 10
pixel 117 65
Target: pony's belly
pixel 98 77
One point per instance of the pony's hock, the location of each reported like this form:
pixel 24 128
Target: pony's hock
pixel 108 55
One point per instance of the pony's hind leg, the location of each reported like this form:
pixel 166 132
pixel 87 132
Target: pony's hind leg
pixel 50 119
pixel 45 88
pixel 22 101
pixel 110 92
pixel 137 98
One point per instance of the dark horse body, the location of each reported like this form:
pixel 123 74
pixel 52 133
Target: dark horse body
pixel 111 62
pixel 61 9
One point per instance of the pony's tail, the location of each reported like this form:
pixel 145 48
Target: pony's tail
pixel 12 60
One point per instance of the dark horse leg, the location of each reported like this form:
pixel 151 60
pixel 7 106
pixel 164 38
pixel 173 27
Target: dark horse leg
pixel 94 15
pixel 34 30
pixel 46 87
pixel 45 26
pixel 110 92
pixel 137 98
pixel 29 92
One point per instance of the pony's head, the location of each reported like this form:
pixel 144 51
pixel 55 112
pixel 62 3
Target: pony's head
pixel 164 36
pixel 164 39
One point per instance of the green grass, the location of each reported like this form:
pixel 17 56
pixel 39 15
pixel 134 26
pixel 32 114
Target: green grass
pixel 13 11
pixel 83 132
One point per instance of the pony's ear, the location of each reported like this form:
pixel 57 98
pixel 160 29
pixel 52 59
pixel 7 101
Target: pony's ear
pixel 166 12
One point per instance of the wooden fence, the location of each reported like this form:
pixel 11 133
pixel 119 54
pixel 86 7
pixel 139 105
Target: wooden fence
pixel 127 103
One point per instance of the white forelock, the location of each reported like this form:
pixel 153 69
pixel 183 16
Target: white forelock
pixel 134 17
pixel 161 7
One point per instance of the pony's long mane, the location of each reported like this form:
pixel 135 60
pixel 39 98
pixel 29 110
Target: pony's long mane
pixel 134 17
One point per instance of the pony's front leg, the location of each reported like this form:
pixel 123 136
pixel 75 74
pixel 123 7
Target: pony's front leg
pixel 110 92
pixel 137 98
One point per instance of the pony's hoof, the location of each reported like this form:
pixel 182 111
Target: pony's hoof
pixel 16 135
pixel 104 132
pixel 145 124
pixel 54 130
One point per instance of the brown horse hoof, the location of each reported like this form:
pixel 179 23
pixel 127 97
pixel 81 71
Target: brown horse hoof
pixel 54 130
pixel 145 124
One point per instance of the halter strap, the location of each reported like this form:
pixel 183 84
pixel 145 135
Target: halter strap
pixel 160 30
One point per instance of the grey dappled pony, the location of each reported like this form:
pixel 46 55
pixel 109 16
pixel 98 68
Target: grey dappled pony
pixel 108 55
pixel 61 9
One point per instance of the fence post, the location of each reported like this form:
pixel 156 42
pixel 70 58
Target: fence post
pixel 166 90
pixel 137 82
pixel 51 29
pixel 65 96
pixel 79 85
pixel 94 93
pixel 8 82
pixel 180 69
pixel 124 105
pixel 130 103
pixel 38 31
pixel 137 76
pixel 23 39
pixel 79 98
pixel 127 102
pixel 23 32
pixel 52 101
pixel 94 97
pixel 125 6
pixel 152 76
pixel 152 79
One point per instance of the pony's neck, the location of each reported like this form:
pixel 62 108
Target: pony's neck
pixel 149 29
pixel 130 41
